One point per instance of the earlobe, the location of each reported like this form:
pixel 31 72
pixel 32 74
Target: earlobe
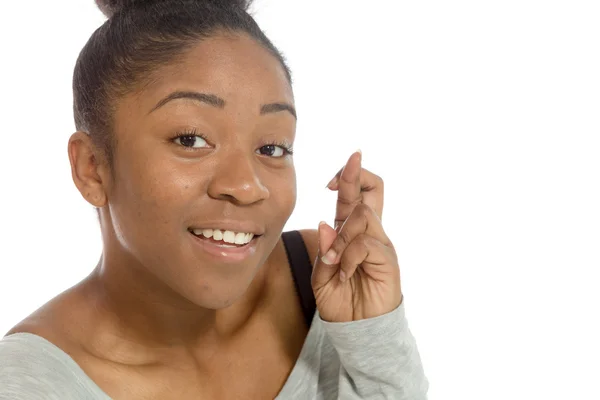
pixel 86 164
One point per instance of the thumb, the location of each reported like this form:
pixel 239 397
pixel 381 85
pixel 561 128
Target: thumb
pixel 323 273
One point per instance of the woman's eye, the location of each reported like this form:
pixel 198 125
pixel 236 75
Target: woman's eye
pixel 272 150
pixel 192 141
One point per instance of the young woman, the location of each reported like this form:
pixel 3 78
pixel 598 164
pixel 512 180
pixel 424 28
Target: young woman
pixel 185 123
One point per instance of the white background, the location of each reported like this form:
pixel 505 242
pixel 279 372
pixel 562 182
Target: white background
pixel 483 117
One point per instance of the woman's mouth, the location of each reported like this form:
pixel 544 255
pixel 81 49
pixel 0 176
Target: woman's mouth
pixel 226 245
pixel 224 238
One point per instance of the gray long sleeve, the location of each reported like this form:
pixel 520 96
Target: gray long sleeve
pixel 379 358
pixel 370 359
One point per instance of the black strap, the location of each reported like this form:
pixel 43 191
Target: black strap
pixel 301 272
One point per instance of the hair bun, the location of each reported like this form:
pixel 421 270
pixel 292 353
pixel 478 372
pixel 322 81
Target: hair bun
pixel 110 7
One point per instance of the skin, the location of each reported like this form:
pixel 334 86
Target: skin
pixel 161 318
pixel 358 276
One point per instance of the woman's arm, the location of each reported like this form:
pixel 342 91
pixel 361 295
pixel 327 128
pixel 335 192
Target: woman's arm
pixel 379 357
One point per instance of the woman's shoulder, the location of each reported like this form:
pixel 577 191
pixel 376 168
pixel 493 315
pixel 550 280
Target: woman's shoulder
pixel 31 367
pixel 37 354
pixel 58 321
pixel 24 349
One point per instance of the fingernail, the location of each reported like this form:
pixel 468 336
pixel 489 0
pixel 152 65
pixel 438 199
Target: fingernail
pixel 342 276
pixel 329 257
pixel 331 182
pixel 359 154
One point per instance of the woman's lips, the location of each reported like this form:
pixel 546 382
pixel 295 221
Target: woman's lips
pixel 225 252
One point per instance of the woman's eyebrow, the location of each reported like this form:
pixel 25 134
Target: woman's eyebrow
pixel 209 99
pixel 218 102
pixel 276 107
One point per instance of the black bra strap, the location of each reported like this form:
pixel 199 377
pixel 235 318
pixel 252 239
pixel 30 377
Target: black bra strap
pixel 301 272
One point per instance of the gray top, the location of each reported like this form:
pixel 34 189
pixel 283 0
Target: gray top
pixel 376 358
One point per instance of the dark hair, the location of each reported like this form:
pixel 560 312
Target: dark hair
pixel 138 37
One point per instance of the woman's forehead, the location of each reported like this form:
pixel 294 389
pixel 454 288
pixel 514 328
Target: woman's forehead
pixel 235 68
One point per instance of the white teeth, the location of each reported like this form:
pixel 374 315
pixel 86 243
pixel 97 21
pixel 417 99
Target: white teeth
pixel 217 234
pixel 239 238
pixel 229 237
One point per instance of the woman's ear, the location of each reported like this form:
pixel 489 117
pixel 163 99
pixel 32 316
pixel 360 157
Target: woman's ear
pixel 89 169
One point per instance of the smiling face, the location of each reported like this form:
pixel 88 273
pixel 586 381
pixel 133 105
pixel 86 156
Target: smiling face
pixel 203 147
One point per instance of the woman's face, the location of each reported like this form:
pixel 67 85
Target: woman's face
pixel 202 148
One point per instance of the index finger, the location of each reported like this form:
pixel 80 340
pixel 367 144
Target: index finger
pixel 349 192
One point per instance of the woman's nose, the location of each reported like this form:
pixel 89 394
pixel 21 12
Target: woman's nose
pixel 236 179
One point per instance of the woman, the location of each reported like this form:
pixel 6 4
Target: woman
pixel 185 123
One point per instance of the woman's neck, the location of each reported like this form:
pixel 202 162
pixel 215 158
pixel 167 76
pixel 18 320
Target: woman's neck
pixel 142 309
